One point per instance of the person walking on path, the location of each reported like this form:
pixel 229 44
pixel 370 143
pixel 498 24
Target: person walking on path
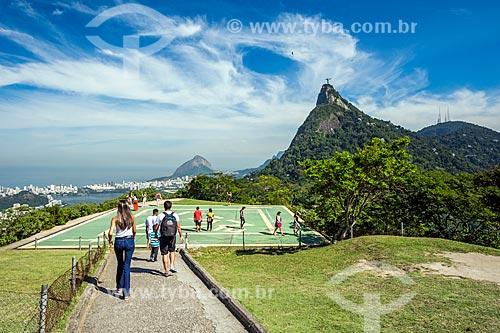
pixel 144 199
pixel 151 221
pixel 242 217
pixel 197 218
pixel 296 223
pixel 154 243
pixel 158 198
pixel 210 219
pixel 170 225
pixel 125 225
pixel 278 224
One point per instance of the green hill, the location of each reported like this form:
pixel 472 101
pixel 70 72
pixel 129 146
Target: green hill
pixel 23 198
pixel 289 290
pixel 480 145
pixel 337 125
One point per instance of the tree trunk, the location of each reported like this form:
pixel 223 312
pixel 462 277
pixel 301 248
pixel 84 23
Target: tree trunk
pixel 341 233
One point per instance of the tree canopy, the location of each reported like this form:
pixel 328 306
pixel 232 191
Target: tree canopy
pixel 346 183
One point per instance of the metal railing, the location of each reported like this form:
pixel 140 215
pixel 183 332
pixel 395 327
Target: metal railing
pixel 40 311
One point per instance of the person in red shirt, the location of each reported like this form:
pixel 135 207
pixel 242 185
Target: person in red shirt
pixel 197 218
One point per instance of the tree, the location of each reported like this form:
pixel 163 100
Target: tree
pixel 434 204
pixel 267 190
pixel 198 188
pixel 490 182
pixel 347 182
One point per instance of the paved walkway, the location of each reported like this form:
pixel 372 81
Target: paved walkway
pixel 178 303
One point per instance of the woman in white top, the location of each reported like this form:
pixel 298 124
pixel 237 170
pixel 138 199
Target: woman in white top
pixel 126 228
pixel 278 224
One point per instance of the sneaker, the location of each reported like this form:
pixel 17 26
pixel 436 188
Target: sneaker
pixel 173 270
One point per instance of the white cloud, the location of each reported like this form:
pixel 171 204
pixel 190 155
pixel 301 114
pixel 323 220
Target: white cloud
pixel 197 96
pixel 461 12
pixel 57 12
pixel 80 7
pixel 421 109
pixel 25 7
pixel 217 78
pixel 44 50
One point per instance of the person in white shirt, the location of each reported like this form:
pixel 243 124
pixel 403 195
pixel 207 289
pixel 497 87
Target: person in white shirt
pixel 125 225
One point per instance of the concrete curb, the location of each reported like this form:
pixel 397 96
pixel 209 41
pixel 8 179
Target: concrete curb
pixel 79 314
pixel 234 306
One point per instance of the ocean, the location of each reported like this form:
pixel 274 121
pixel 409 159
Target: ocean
pixel 12 176
pixel 94 197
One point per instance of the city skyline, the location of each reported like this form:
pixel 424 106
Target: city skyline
pixel 123 186
pixel 232 82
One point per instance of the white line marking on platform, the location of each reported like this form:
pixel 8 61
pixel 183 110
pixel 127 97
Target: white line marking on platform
pixel 266 221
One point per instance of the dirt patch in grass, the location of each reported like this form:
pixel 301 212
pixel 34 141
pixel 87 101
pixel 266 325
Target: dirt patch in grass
pixel 471 265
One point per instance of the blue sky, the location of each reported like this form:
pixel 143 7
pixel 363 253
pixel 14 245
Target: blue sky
pixel 230 93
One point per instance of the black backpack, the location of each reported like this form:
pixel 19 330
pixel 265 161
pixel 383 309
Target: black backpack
pixel 168 226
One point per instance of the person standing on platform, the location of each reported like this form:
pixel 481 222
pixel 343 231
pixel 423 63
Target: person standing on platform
pixel 129 200
pixel 198 215
pixel 144 199
pixel 158 198
pixel 210 219
pixel 136 203
pixel 125 225
pixel 296 223
pixel 242 217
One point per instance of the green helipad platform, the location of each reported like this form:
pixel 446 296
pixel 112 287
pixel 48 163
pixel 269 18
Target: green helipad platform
pixel 226 229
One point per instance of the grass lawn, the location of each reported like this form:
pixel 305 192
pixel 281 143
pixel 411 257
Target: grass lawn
pixel 21 275
pixel 23 270
pixel 288 290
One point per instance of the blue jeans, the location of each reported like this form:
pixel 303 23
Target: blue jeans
pixel 124 248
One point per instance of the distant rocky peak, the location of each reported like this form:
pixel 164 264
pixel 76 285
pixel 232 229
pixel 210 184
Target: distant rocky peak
pixel 200 160
pixel 328 95
pixel 198 165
